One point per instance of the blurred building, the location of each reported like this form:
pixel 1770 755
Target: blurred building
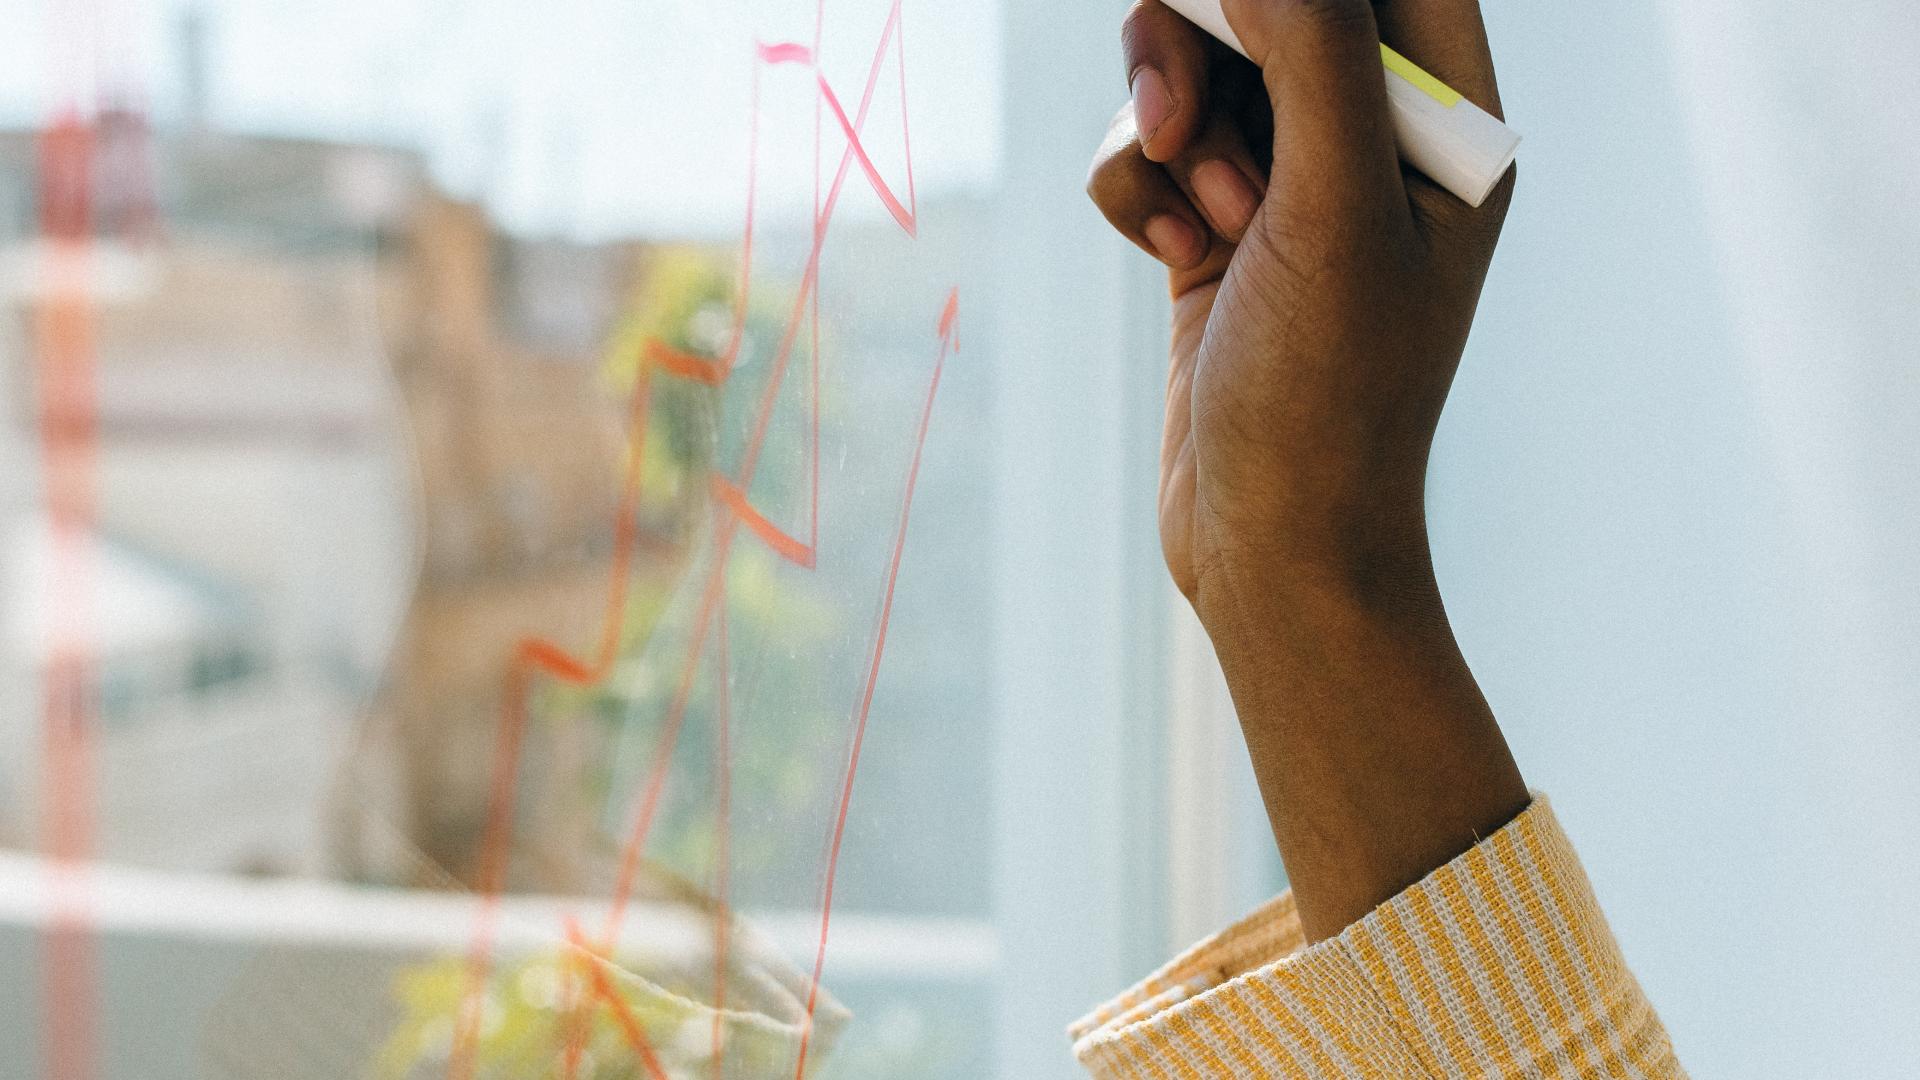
pixel 322 386
pixel 378 436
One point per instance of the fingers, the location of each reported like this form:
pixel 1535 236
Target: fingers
pixel 1449 39
pixel 1141 200
pixel 1167 74
pixel 1320 59
pixel 1219 176
pixel 1188 213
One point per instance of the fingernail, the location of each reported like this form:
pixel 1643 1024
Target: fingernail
pixel 1151 103
pixel 1174 240
pixel 1226 195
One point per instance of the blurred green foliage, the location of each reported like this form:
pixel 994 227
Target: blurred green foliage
pixel 535 1009
pixel 685 300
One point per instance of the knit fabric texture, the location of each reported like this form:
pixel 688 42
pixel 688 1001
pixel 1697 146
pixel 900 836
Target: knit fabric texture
pixel 1497 965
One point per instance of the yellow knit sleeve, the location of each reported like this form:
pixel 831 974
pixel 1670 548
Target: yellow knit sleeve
pixel 1498 964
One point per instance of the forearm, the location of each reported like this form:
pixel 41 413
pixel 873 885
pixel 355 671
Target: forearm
pixel 1376 754
pixel 1439 922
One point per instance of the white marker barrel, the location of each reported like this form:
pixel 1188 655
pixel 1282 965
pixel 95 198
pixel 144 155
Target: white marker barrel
pixel 1457 144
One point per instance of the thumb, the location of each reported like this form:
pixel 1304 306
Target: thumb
pixel 1333 149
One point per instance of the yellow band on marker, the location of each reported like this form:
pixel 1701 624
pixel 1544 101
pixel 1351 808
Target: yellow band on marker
pixel 1446 95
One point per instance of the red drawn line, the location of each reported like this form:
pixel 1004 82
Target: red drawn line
pixel 579 1019
pixel 785 52
pixel 535 655
pixel 949 315
pixel 492 858
pixel 813 324
pixel 810 277
pixel 749 459
pixel 819 240
pixel 746 233
pixel 865 705
pixel 722 858
pixel 687 366
pixel 783 545
pixel 595 967
pixel 906 136
pixel 722 915
pixel 907 218
pixel 670 731
pixel 578 1023
pixel 813 436
pixel 69 419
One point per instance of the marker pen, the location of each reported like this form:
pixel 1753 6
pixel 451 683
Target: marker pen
pixel 1459 145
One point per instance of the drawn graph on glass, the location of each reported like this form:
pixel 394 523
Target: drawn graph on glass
pixel 599 544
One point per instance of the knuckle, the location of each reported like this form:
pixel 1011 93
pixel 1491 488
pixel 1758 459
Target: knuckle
pixel 1454 226
pixel 1135 33
pixel 1094 186
pixel 1110 176
pixel 1122 133
pixel 1107 184
pixel 1336 16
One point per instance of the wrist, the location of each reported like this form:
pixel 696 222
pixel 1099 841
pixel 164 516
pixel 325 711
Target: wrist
pixel 1379 567
pixel 1376 754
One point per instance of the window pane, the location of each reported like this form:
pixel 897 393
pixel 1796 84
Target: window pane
pixel 504 524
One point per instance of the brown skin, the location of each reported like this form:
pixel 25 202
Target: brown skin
pixel 1322 297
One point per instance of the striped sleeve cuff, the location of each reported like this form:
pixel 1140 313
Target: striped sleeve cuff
pixel 1497 964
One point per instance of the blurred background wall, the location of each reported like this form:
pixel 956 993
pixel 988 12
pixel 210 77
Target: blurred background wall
pixel 1675 505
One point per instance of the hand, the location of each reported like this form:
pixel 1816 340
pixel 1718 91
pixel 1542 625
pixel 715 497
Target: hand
pixel 1322 296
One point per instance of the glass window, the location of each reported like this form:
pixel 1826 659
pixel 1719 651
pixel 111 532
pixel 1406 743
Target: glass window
pixel 586 538
pixel 607 539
